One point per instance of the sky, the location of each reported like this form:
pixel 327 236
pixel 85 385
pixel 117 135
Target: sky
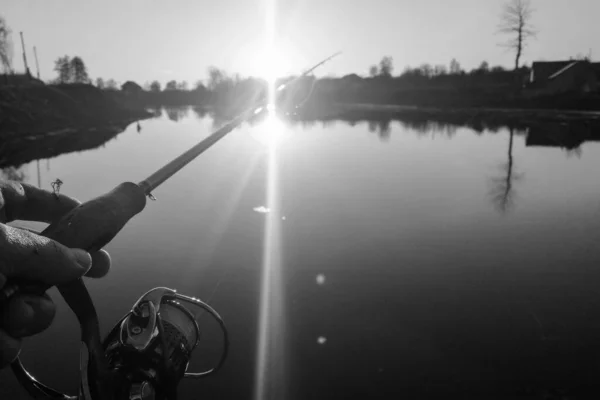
pixel 145 40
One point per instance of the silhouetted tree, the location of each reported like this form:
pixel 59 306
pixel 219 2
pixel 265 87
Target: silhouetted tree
pixel 64 68
pixel 183 85
pixel 6 48
pixel 426 70
pixel 100 83
pixel 80 74
pixel 111 84
pixel 171 85
pixel 482 69
pixel 516 22
pixel 439 70
pixel 386 66
pixel 199 87
pixel 155 86
pixel 582 57
pixel 215 78
pixel 373 71
pixel 454 67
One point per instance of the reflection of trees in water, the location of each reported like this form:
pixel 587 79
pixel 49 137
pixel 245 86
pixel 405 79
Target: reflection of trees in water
pixel 430 128
pixel 177 113
pixel 13 174
pixel 382 127
pixel 328 123
pixel 201 112
pixel 576 152
pixel 156 112
pixel 307 124
pixel 502 193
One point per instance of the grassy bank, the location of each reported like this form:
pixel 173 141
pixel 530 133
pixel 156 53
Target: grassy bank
pixel 40 109
pixel 41 121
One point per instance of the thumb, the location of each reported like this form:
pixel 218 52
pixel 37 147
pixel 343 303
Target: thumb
pixel 33 257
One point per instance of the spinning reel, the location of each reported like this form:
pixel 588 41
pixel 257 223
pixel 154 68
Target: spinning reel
pixel 145 355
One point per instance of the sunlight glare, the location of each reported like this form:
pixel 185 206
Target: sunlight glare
pixel 272 63
pixel 271 357
pixel 271 132
pixel 270 361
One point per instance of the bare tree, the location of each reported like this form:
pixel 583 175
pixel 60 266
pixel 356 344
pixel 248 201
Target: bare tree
pixel 6 47
pixel 516 22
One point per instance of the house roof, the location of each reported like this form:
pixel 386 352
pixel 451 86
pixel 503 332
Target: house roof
pixel 544 70
pixel 564 69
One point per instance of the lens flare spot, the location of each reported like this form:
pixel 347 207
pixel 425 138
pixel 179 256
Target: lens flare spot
pixel 320 279
pixel 321 340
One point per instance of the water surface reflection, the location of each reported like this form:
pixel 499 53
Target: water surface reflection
pixel 418 257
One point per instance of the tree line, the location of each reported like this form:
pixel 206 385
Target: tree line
pixel 386 66
pixel 425 84
pixel 71 70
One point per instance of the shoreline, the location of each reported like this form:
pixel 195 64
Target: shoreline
pixel 43 121
pixel 553 114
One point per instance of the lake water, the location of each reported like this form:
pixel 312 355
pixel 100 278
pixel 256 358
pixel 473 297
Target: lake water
pixel 425 262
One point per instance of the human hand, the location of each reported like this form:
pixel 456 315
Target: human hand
pixel 25 255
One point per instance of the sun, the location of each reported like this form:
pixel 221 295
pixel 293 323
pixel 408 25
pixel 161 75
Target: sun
pixel 272 63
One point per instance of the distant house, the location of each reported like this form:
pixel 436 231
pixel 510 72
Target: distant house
pixel 131 87
pixel 552 77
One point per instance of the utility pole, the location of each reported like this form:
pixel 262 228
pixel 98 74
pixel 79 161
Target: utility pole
pixel 39 174
pixel 24 55
pixel 37 65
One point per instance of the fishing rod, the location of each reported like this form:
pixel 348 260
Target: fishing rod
pixel 146 354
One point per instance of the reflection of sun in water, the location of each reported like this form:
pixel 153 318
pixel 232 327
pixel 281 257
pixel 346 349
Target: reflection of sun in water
pixel 271 132
pixel 270 367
